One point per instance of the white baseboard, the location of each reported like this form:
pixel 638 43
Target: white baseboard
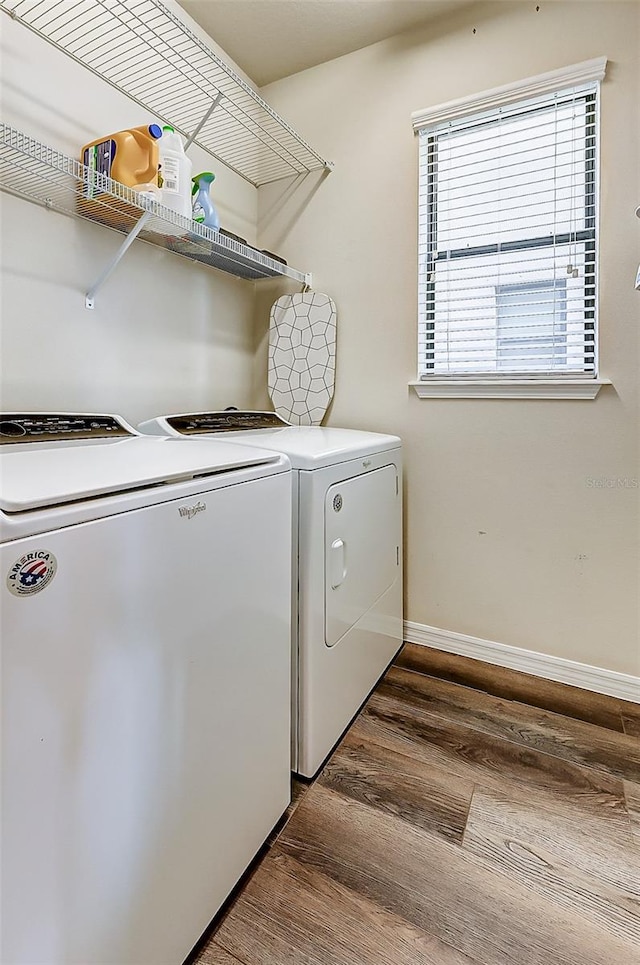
pixel 571 672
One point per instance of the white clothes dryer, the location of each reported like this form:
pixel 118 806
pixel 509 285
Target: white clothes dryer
pixel 347 562
pixel 145 614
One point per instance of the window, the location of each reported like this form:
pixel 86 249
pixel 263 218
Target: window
pixel 508 215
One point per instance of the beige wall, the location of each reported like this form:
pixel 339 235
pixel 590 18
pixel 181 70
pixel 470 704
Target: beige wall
pixel 506 538
pixel 166 334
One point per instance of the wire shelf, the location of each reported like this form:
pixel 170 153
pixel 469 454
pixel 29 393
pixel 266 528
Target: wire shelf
pixel 34 171
pixel 145 51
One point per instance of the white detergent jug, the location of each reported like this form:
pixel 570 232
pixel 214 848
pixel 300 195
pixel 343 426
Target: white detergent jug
pixel 174 173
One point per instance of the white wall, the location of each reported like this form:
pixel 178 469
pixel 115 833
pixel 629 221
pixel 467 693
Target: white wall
pixel 507 538
pixel 166 334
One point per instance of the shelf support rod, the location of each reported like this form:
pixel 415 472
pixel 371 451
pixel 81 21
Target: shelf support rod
pixel 89 301
pixel 214 104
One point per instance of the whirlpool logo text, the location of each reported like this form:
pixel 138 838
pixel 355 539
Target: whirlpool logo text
pixel 188 512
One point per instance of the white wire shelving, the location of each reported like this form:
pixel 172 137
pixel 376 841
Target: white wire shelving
pixel 38 173
pixel 145 51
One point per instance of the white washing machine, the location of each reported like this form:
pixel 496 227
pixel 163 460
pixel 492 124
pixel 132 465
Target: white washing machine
pixel 347 561
pixel 145 617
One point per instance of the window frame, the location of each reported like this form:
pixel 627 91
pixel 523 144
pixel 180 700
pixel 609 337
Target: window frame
pixel 586 236
pixel 508 383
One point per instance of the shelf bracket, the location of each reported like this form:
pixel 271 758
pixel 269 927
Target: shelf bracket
pixel 89 301
pixel 214 104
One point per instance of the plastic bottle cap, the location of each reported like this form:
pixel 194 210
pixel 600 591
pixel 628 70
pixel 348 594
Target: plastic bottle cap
pixel 206 176
pixel 155 130
pixel 167 127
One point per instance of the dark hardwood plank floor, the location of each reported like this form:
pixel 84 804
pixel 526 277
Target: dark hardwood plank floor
pixel 470 816
pixel 631 725
pixel 562 863
pixel 550 733
pixel 292 912
pixel 213 954
pixel 483 759
pixel 632 796
pixel 436 800
pixel 438 887
pixel 514 685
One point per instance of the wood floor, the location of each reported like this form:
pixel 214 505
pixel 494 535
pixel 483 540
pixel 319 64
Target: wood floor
pixel 470 816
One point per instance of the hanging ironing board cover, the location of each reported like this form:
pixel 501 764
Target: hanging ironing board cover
pixel 302 356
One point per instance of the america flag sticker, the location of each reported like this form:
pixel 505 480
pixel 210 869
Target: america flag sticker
pixel 32 573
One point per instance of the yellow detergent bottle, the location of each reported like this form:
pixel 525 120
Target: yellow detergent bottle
pixel 129 157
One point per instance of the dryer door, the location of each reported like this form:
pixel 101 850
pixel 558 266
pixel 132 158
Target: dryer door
pixel 362 538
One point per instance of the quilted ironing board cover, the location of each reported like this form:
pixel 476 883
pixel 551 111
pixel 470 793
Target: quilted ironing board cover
pixel 302 356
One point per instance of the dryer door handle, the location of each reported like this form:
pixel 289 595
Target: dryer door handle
pixel 337 563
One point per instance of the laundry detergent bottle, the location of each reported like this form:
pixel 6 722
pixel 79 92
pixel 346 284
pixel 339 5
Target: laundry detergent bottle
pixel 204 211
pixel 174 178
pixel 130 157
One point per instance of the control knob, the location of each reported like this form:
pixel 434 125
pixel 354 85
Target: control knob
pixel 12 429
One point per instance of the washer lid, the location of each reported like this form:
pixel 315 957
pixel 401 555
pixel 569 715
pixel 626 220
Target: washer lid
pixel 308 447
pixel 39 476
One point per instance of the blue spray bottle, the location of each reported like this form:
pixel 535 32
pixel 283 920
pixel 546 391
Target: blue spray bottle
pixel 204 211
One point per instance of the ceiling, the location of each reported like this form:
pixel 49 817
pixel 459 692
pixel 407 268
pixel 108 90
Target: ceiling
pixel 271 39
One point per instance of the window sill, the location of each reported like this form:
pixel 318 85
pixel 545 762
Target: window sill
pixel 508 388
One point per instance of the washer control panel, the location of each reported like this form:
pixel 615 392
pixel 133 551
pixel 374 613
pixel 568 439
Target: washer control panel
pixel 53 427
pixel 227 421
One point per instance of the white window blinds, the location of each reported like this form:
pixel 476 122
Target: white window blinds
pixel 507 239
